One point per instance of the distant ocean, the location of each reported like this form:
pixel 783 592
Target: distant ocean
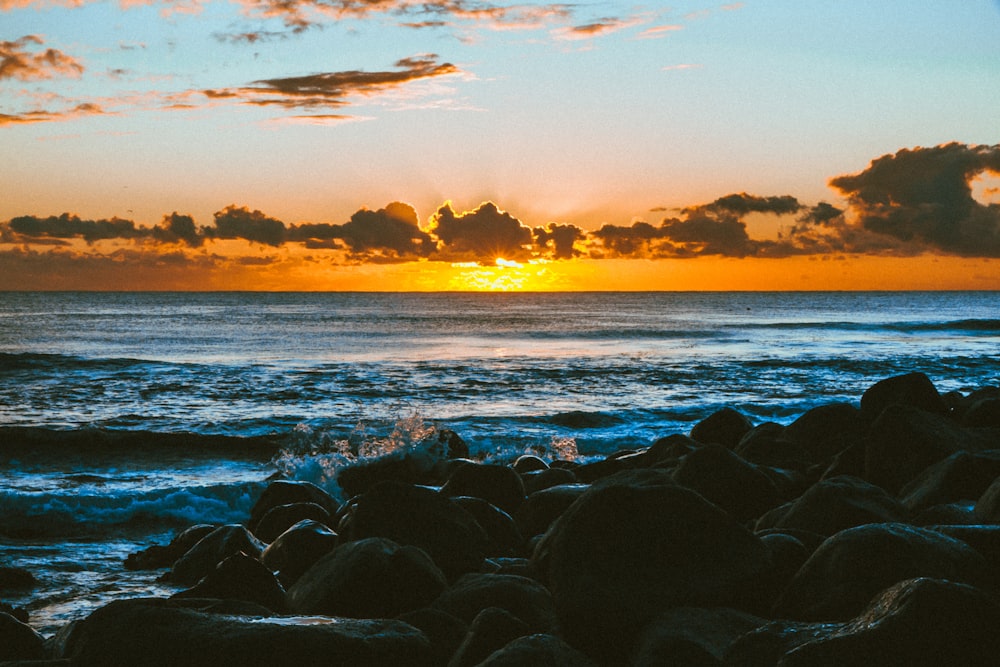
pixel 125 417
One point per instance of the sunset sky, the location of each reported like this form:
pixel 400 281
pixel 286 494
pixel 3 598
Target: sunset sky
pixel 481 144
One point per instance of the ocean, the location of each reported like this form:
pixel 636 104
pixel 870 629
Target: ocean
pixel 125 417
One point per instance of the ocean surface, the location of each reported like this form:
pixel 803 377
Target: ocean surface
pixel 125 417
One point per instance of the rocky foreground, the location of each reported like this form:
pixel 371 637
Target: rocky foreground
pixel 853 536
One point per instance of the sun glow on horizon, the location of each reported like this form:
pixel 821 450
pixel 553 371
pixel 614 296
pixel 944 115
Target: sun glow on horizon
pixel 504 275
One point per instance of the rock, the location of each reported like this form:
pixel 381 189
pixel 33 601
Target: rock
pixel 295 550
pixel 985 539
pixel 826 430
pixel 158 556
pixel 492 629
pixel 983 413
pixel 913 389
pixel 835 504
pixel 280 518
pixel 240 577
pixel 988 505
pixel 20 613
pixel 766 444
pixel 904 441
pixel 211 550
pixel 725 479
pixel 529 463
pixel 504 537
pixel 18 641
pixel 956 514
pixel 915 622
pixel 692 636
pixel 669 450
pixel 16 579
pixel 851 567
pixel 287 492
pixel 525 598
pixel 543 507
pixel 539 650
pixel 961 476
pixel 765 646
pixel 369 578
pixel 162 633
pixel 724 427
pixel 444 631
pixel 635 545
pixel 497 484
pixel 420 517
pixel 536 480
pixel 410 466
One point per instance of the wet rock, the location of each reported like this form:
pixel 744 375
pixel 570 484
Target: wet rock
pixel 497 484
pixel 492 629
pixel 16 579
pixel 211 550
pixel 525 598
pixel 826 430
pixel 956 514
pixel 20 613
pixel 541 650
pixel 543 507
pixel 635 545
pixel 724 427
pixel 18 641
pixel 412 466
pixel 536 480
pixel 961 476
pixel 287 492
pixel 369 578
pixel 988 505
pixel 851 567
pixel 692 636
pixel 529 463
pixel 915 622
pixel 280 518
pixel 162 633
pixel 983 413
pixel 725 479
pixel 912 389
pixel 985 539
pixel 904 441
pixel 835 504
pixel 504 537
pixel 444 631
pixel 295 550
pixel 766 444
pixel 419 517
pixel 159 556
pixel 240 577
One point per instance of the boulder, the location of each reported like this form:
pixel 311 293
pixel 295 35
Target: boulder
pixel 240 577
pixel 504 537
pixel 635 545
pixel 158 555
pixel 834 504
pixel 497 484
pixel 280 518
pixel 826 430
pixel 18 641
pixel 529 463
pixel 766 444
pixel 724 427
pixel 851 567
pixel 725 479
pixel 915 622
pixel 410 466
pixel 445 632
pixel 540 650
pixel 988 505
pixel 421 517
pixel 961 476
pixel 211 550
pixel 536 480
pixel 912 389
pixel 295 550
pixel 543 507
pixel 287 492
pixel 492 629
pixel 16 579
pixel 692 636
pixel 525 598
pixel 369 578
pixel 904 440
pixel 983 413
pixel 164 633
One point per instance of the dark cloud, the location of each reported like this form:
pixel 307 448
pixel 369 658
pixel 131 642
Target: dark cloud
pixel 389 234
pixel 742 203
pixel 331 89
pixel 481 235
pixel 69 226
pixel 924 196
pixel 178 228
pixel 559 240
pixel 17 61
pixel 638 240
pixel 235 222
pixel 702 234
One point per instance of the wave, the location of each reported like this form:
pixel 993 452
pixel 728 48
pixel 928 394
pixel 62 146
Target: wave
pixel 31 442
pixel 69 513
pixel 980 325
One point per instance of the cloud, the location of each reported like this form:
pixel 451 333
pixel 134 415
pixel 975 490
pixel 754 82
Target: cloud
pixel 390 234
pixel 69 226
pixel 559 240
pixel 658 31
pixel 235 222
pixel 177 228
pixel 597 28
pixel 17 61
pixel 332 89
pixel 924 196
pixel 481 235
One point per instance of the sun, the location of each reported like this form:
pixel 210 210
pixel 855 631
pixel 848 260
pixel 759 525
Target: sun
pixel 504 275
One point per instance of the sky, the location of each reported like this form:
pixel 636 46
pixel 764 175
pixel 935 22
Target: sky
pixel 493 145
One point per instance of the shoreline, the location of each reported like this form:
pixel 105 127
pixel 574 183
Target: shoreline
pixel 829 540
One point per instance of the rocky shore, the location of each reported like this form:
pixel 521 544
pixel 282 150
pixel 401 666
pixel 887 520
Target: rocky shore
pixel 861 534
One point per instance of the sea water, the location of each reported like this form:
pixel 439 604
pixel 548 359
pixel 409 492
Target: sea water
pixel 125 417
